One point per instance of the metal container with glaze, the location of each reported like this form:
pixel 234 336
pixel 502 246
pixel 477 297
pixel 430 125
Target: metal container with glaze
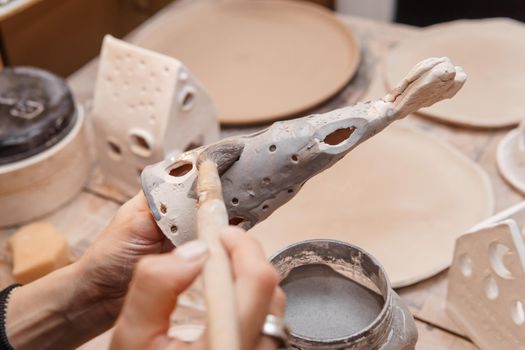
pixel 339 297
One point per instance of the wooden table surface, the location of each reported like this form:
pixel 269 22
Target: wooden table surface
pixel 84 217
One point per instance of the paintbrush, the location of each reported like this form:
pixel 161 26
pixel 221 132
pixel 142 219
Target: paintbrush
pixel 212 216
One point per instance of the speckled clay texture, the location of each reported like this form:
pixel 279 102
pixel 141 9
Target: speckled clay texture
pixel 277 161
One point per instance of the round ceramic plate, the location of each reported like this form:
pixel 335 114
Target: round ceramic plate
pixel 511 158
pixel 492 53
pixel 402 196
pixel 259 60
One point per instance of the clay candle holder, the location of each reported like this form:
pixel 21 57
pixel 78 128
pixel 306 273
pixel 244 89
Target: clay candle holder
pixel 146 106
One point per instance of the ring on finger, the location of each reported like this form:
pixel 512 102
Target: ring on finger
pixel 276 328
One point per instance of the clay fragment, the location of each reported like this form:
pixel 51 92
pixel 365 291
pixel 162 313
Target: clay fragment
pixel 277 161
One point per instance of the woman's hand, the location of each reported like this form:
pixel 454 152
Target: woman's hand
pixel 107 266
pixel 157 282
pixel 76 303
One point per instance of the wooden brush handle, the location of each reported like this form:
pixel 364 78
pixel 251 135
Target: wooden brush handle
pixel 219 290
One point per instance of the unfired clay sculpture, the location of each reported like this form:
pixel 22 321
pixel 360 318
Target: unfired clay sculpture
pixel 511 157
pixel 491 50
pixel 401 191
pixel 486 290
pixel 269 58
pixel 277 161
pixel 145 106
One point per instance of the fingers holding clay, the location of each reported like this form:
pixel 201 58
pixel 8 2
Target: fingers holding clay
pixel 255 284
pixel 156 285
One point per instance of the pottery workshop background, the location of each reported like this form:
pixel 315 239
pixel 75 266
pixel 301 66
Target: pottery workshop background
pixel 375 150
pixel 48 31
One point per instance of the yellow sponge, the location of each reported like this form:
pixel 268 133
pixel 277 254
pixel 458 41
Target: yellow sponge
pixel 37 250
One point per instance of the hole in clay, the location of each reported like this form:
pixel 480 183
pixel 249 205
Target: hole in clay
pixel 235 201
pixel 265 207
pixel 163 208
pixel 290 190
pixel 491 288
pixel 181 169
pixel 187 100
pixel 236 220
pixel 166 69
pixel 465 264
pixel 140 146
pixel 114 149
pixel 174 229
pixel 272 148
pixel 518 313
pixel 266 181
pixel 497 253
pixel 338 136
pixel 295 158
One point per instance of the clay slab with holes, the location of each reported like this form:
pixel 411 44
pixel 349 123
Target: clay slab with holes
pixel 276 162
pixel 486 293
pixel 493 54
pixel 396 196
pixel 146 105
pixel 259 60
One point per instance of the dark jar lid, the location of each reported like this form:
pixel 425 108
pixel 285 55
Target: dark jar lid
pixel 36 112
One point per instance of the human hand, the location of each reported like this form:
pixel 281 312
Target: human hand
pixel 159 280
pixel 107 266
